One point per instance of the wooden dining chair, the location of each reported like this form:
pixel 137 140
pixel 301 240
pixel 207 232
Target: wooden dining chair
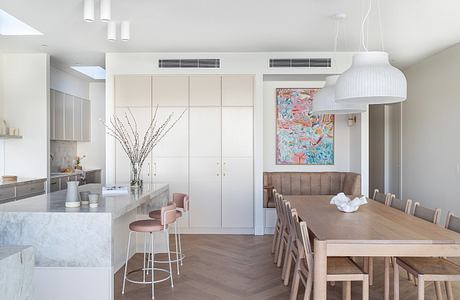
pixel 284 238
pixel 292 250
pixel 427 268
pixel 381 197
pixel 279 200
pixel 277 231
pixel 338 268
pixel 404 206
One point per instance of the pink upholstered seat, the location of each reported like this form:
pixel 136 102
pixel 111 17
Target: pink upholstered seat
pixel 146 226
pixel 156 214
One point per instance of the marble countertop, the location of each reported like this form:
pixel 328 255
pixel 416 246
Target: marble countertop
pixel 21 181
pixel 7 251
pixel 116 205
pixel 56 175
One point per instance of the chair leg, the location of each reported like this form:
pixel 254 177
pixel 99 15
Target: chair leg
pixel 177 248
pixel 371 271
pixel 421 288
pixel 180 247
pixel 366 287
pixel 280 251
pixel 126 263
pixel 387 279
pixel 295 281
pixel 152 238
pixel 144 270
pixel 278 244
pixel 169 256
pixel 287 255
pixel 287 274
pixel 450 295
pixel 437 287
pixel 346 290
pixel 395 280
pixel 275 234
pixel 309 286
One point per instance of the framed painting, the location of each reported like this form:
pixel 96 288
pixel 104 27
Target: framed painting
pixel 302 138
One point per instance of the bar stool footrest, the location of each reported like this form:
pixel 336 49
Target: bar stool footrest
pixel 148 282
pixel 181 258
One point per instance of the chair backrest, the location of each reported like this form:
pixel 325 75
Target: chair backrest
pixel 401 205
pixel 304 240
pixel 181 200
pixel 453 222
pixel 427 214
pixel 381 197
pixel 278 206
pixel 168 214
pixel 287 214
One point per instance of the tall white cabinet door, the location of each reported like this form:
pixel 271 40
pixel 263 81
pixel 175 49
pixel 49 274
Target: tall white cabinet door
pixel 133 90
pixel 52 117
pixel 86 120
pixel 68 117
pixel 205 192
pixel 237 131
pixel 205 90
pixel 237 90
pixel 205 132
pixel 175 143
pixel 174 171
pixel 59 103
pixel 77 130
pixel 237 192
pixel 122 163
pixel 170 90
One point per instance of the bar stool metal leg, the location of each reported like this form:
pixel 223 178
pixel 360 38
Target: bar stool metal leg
pixel 169 256
pixel 177 248
pixel 180 247
pixel 152 237
pixel 126 262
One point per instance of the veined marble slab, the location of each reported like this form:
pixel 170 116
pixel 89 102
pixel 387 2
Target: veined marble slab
pixel 16 272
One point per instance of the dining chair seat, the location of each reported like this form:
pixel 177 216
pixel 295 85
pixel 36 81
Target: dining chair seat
pixel 156 214
pixel 430 265
pixel 342 265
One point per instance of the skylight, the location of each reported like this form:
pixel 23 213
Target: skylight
pixel 9 25
pixel 94 72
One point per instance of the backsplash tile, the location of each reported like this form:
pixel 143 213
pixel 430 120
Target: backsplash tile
pixel 63 154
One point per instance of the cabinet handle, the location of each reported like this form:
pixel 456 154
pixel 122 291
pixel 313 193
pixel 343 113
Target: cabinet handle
pixel 148 169
pixel 223 169
pixel 154 169
pixel 218 171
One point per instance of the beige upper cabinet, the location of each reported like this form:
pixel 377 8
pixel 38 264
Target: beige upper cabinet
pixel 133 90
pixel 237 90
pixel 68 117
pixel 170 90
pixel 205 91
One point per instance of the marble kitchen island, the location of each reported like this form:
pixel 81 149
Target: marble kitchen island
pixel 77 250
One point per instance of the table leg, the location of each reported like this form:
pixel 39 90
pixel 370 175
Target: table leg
pixel 320 270
pixel 387 279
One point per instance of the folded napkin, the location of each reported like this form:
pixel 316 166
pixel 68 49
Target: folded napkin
pixel 344 203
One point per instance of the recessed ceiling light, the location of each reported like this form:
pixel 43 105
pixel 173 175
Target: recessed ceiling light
pixel 95 72
pixel 10 25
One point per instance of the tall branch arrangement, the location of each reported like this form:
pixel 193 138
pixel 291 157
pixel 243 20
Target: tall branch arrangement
pixel 125 131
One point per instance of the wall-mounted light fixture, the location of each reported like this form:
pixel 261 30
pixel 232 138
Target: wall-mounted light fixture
pixel 351 120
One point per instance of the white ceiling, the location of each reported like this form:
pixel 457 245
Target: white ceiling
pixel 412 29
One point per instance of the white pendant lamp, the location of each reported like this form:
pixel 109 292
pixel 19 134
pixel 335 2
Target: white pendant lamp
pixel 88 10
pixel 324 101
pixel 124 32
pixel 111 31
pixel 371 79
pixel 106 10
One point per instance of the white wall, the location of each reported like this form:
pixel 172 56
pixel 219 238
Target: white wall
pixel 68 83
pixel 431 126
pixel 341 135
pixel 376 148
pixel 25 94
pixel 95 150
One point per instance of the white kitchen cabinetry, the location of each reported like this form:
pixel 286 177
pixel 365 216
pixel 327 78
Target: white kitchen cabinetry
pixel 170 90
pixel 175 143
pixel 133 90
pixel 205 90
pixel 70 117
pixel 237 90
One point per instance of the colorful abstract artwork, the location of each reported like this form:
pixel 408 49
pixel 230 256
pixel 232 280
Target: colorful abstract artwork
pixel 302 138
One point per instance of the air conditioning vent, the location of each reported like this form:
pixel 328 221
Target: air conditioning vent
pixel 189 63
pixel 300 63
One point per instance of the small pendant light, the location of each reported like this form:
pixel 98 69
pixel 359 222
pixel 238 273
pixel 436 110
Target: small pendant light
pixel 124 32
pixel 88 10
pixel 111 31
pixel 106 10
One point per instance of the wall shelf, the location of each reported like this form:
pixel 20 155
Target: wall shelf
pixel 7 137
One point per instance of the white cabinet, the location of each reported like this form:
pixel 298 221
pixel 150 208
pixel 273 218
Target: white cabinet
pixel 237 90
pixel 205 90
pixel 58 115
pixel 77 118
pixel 205 132
pixel 170 90
pixel 175 142
pixel 237 131
pixel 133 90
pixel 70 117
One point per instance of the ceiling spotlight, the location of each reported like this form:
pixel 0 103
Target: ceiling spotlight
pixel 111 31
pixel 106 14
pixel 125 31
pixel 88 10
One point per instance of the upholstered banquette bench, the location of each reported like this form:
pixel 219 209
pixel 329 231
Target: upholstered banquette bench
pixel 325 184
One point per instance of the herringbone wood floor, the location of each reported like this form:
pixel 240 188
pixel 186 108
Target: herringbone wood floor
pixel 240 267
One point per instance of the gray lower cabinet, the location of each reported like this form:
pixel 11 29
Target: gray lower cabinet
pixel 22 190
pixel 7 194
pixel 60 183
pixel 54 185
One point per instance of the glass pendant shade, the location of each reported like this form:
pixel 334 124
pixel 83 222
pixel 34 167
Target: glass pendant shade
pixel 371 79
pixel 324 101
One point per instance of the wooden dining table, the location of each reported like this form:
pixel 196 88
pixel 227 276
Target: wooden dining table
pixel 375 230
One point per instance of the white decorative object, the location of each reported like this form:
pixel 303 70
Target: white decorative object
pixel 93 200
pixel 72 195
pixel 371 80
pixel 84 197
pixel 324 101
pixel 125 31
pixel 88 10
pixel 344 203
pixel 114 190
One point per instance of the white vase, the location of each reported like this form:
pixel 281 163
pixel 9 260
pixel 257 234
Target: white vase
pixel 72 196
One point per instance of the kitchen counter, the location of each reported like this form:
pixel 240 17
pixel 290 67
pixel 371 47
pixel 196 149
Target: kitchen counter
pixel 62 174
pixel 16 272
pixel 77 247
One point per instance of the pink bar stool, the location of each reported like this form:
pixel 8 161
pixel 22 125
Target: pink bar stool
pixel 167 216
pixel 182 207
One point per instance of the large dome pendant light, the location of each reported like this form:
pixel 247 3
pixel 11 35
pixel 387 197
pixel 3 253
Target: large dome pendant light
pixel 371 79
pixel 324 99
